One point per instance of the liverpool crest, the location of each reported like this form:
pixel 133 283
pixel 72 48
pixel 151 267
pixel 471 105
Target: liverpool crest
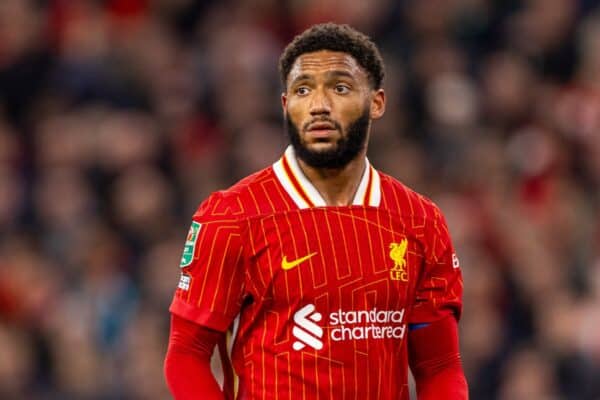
pixel 398 255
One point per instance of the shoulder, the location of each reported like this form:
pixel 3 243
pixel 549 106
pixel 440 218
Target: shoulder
pixel 401 199
pixel 422 213
pixel 236 202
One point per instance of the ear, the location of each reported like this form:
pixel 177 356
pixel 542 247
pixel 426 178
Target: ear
pixel 284 101
pixel 377 104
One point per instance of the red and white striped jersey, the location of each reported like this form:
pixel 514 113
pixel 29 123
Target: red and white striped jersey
pixel 318 298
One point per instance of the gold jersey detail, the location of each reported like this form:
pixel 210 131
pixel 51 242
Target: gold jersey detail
pixel 398 255
pixel 286 265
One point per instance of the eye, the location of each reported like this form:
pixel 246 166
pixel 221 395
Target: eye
pixel 302 90
pixel 342 88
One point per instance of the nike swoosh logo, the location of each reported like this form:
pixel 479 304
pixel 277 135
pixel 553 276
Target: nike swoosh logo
pixel 286 265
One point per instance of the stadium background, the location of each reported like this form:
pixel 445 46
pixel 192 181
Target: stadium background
pixel 118 117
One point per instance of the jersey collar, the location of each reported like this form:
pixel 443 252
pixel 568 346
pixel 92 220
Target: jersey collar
pixel 305 195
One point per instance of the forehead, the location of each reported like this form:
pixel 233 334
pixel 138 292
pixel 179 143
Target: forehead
pixel 324 61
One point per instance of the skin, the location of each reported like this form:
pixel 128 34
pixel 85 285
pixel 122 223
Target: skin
pixel 330 86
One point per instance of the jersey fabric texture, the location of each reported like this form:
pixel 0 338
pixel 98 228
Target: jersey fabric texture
pixel 317 299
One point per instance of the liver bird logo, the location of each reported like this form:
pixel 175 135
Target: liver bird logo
pixel 398 255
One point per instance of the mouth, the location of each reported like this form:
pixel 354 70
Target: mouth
pixel 321 130
pixel 320 126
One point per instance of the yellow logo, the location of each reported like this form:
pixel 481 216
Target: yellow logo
pixel 286 265
pixel 398 255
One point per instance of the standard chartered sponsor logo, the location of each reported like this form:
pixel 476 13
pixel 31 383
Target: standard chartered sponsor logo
pixel 347 325
pixel 305 330
pixel 372 324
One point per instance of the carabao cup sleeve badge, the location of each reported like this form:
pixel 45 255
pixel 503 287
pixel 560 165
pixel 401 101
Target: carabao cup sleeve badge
pixel 190 245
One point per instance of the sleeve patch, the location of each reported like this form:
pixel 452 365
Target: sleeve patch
pixel 184 282
pixel 190 245
pixel 455 262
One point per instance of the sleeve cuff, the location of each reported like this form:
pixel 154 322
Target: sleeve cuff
pixel 216 321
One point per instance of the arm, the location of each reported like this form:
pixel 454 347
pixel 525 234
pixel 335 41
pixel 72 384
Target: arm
pixel 187 364
pixel 207 299
pixel 435 361
pixel 433 346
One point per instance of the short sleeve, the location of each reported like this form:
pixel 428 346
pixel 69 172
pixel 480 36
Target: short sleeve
pixel 440 287
pixel 211 286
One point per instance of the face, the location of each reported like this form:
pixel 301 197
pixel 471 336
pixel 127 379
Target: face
pixel 328 105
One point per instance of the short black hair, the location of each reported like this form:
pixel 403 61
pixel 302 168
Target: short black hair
pixel 334 37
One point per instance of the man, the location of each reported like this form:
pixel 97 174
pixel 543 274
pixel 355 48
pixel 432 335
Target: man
pixel 328 276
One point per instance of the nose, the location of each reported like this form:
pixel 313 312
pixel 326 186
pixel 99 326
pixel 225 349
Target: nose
pixel 320 103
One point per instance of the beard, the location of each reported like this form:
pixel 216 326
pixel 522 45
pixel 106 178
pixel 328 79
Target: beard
pixel 346 149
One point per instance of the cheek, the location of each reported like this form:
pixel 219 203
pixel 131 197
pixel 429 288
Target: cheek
pixel 352 112
pixel 296 112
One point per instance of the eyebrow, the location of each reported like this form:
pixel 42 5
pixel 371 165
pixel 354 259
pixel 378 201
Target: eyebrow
pixel 331 74
pixel 303 77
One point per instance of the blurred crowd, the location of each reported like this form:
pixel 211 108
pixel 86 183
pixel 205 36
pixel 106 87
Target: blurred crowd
pixel 117 117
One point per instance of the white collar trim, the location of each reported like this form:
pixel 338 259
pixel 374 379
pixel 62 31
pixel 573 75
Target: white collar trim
pixel 305 195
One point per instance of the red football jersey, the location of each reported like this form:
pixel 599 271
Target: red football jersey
pixel 318 298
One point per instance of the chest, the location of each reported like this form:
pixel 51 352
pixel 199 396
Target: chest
pixel 349 256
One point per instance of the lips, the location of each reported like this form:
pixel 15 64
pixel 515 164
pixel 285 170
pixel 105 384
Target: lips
pixel 321 126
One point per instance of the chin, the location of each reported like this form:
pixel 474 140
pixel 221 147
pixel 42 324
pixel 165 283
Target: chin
pixel 321 146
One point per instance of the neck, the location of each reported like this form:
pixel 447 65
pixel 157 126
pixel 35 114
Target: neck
pixel 337 186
